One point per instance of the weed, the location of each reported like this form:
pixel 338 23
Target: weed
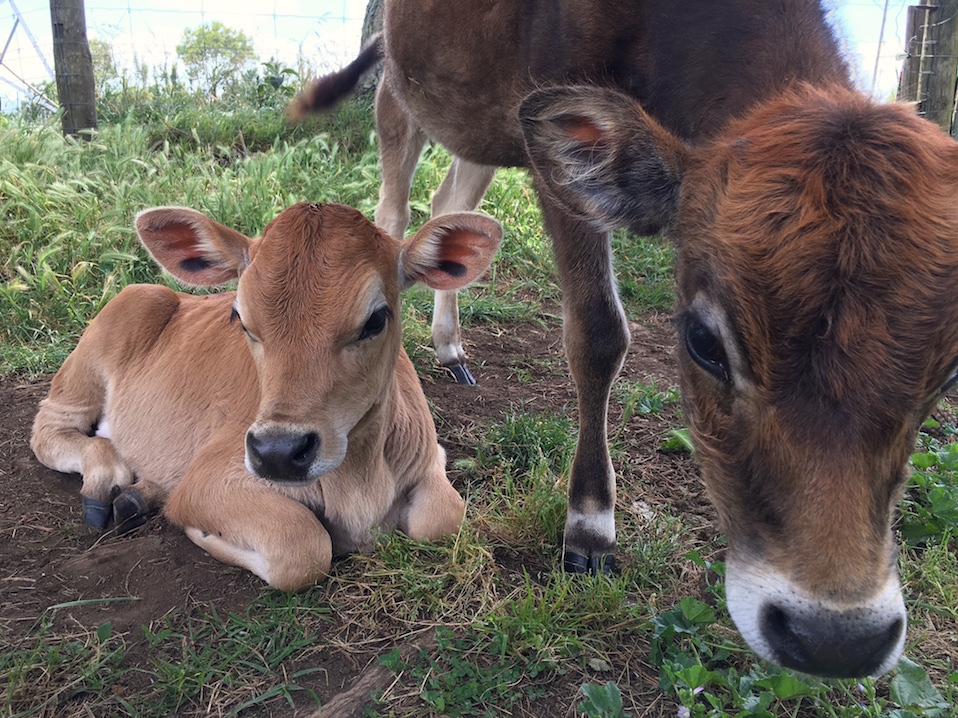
pixel 602 701
pixel 930 507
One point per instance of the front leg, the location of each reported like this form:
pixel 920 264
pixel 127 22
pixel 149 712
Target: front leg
pixel 596 338
pixel 240 520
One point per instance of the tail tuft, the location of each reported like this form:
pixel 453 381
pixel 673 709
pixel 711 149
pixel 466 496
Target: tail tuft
pixel 326 92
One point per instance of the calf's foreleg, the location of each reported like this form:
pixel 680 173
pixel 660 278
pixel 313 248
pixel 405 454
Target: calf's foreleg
pixel 240 520
pixel 596 338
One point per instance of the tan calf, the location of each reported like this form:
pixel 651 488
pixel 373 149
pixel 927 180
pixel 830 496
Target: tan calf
pixel 303 363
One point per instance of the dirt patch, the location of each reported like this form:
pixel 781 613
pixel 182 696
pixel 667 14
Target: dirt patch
pixel 49 557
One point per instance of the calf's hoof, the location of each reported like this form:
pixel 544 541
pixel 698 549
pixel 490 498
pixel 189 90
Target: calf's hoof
pixel 96 513
pixel 462 374
pixel 130 510
pixel 603 564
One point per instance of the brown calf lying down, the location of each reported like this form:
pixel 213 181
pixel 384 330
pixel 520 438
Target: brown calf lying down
pixel 304 362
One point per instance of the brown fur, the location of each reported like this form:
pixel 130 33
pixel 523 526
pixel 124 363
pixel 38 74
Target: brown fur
pixel 841 216
pixel 817 261
pixel 170 377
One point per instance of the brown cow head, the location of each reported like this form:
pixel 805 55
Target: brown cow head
pixel 318 299
pixel 817 265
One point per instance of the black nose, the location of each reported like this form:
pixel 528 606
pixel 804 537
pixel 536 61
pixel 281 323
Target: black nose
pixel 281 456
pixel 831 644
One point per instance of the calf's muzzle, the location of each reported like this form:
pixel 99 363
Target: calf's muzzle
pixel 281 456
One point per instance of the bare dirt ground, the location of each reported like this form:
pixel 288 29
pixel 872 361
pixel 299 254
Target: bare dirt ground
pixel 49 557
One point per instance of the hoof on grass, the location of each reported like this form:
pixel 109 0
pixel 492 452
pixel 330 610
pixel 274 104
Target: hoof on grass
pixel 603 564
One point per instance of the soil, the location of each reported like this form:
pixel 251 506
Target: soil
pixel 49 557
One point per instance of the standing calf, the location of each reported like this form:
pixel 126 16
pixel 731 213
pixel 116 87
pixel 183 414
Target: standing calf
pixel 816 237
pixel 304 362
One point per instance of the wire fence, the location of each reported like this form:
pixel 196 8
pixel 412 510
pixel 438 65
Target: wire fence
pixel 311 37
pixel 314 36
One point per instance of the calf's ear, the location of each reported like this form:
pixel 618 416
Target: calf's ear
pixel 450 251
pixel 597 153
pixel 191 246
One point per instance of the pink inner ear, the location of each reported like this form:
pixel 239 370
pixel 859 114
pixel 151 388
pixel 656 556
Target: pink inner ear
pixel 457 247
pixel 579 128
pixel 172 244
pixel 177 248
pixel 463 256
pixel 178 238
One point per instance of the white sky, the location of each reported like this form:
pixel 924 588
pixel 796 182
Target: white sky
pixel 327 33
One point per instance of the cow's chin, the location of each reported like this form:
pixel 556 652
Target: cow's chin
pixel 785 625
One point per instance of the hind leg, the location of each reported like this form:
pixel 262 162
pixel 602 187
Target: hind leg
pixel 400 144
pixel 435 508
pixel 461 190
pixel 63 437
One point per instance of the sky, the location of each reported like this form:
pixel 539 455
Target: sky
pixel 326 32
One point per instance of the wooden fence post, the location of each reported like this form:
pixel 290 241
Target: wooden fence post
pixel 73 67
pixel 942 73
pixel 914 34
pixel 948 64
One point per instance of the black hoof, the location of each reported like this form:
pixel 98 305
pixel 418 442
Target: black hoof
pixel 96 513
pixel 593 565
pixel 462 374
pixel 130 510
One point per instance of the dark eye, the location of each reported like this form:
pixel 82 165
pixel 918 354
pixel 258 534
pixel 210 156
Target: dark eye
pixel 706 349
pixel 235 316
pixel 376 322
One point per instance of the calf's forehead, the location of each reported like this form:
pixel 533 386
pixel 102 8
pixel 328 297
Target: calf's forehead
pixel 318 257
pixel 826 227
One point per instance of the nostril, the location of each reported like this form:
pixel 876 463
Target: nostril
pixel 306 451
pixel 828 643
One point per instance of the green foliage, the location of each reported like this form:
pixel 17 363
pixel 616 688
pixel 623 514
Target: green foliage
pixel 602 701
pixel 702 669
pixel 104 65
pixel 48 666
pixel 525 441
pixel 930 507
pixel 194 657
pixel 644 268
pixel 468 676
pixel 214 54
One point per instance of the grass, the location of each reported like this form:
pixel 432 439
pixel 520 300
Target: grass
pixel 509 629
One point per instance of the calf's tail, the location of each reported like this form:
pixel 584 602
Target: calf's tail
pixel 325 92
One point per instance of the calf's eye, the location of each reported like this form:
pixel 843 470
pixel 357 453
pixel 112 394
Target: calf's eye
pixel 706 349
pixel 376 323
